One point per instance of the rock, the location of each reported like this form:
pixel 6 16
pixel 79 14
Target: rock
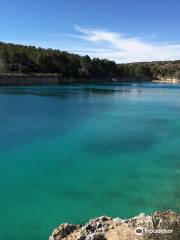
pixel 158 226
pixel 63 231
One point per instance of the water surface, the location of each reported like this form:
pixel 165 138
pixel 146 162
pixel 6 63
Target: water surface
pixel 69 153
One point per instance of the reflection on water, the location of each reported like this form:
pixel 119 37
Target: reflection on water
pixel 67 91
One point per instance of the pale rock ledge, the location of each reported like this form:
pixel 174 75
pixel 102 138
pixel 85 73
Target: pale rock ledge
pixel 158 226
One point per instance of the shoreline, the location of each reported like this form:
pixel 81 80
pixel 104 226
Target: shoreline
pixel 157 226
pixel 167 80
pixel 55 79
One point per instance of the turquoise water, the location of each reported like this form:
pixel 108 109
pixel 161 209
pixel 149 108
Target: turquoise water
pixel 70 153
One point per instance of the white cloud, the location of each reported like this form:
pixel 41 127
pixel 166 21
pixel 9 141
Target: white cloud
pixel 116 46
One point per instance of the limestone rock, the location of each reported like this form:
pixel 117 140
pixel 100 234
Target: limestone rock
pixel 158 226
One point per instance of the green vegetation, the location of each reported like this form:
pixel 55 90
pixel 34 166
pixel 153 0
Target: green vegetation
pixel 19 59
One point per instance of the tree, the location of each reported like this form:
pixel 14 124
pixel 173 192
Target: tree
pixel 29 59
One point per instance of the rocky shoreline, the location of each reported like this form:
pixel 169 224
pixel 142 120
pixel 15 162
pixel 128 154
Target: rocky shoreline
pixel 157 226
pixel 55 79
pixel 39 79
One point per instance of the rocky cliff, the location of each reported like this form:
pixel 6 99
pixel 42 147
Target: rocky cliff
pixel 158 226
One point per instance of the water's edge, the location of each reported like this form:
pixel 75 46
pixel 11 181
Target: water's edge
pixel 51 79
pixel 159 225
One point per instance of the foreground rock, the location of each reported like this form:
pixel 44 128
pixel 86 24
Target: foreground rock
pixel 158 226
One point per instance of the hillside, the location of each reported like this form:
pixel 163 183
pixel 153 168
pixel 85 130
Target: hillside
pixel 29 60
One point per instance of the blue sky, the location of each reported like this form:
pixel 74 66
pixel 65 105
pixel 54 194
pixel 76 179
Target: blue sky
pixel 120 30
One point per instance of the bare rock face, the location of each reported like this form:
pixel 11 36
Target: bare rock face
pixel 158 226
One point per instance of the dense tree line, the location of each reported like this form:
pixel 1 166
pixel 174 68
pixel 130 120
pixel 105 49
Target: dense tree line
pixel 153 70
pixel 31 60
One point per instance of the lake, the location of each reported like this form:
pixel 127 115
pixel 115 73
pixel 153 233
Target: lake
pixel 72 152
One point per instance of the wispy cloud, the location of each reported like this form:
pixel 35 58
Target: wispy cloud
pixel 118 47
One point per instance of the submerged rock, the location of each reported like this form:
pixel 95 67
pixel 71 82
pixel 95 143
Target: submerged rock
pixel 158 226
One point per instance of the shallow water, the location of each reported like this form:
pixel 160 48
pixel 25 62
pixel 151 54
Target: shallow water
pixel 70 153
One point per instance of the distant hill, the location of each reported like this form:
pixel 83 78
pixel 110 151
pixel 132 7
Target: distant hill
pixel 20 59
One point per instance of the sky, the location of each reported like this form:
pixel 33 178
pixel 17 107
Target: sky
pixel 119 30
